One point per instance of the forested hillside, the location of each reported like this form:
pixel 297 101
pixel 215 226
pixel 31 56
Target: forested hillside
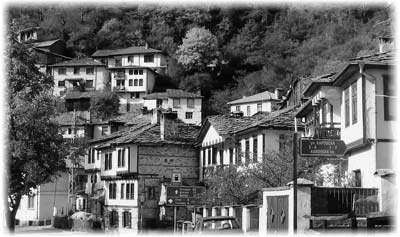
pixel 246 49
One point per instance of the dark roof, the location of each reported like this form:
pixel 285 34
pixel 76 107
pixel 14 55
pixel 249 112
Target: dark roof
pixel 263 96
pixel 125 51
pixel 45 43
pixel 29 29
pixel 386 58
pixel 316 82
pixel 68 118
pixel 150 134
pixel 43 50
pixel 79 62
pixel 171 93
pixel 225 124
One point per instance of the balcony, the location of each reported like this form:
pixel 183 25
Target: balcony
pixel 119 76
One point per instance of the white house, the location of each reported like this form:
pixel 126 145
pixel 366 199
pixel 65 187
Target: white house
pixel 261 102
pixel 228 140
pixel 368 120
pixel 133 71
pixel 187 105
pixel 78 75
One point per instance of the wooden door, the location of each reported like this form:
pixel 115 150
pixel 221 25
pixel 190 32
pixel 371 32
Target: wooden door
pixel 277 214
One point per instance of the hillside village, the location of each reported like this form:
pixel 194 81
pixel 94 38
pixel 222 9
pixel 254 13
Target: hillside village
pixel 162 139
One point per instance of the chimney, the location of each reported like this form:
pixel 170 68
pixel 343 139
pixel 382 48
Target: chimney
pixel 146 45
pixel 168 125
pixel 278 93
pixel 155 119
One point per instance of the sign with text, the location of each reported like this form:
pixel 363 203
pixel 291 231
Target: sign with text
pixel 322 147
pixel 184 195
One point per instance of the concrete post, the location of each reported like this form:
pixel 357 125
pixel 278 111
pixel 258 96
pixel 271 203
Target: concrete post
pixel 245 219
pixel 213 211
pixel 232 211
pixel 224 211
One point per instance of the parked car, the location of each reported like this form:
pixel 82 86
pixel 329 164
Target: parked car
pixel 219 224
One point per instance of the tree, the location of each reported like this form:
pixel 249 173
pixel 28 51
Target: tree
pixel 105 104
pixel 198 49
pixel 36 148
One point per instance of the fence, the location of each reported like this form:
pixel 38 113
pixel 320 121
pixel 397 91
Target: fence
pixel 325 201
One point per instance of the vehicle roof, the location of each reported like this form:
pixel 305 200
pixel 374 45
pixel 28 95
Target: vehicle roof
pixel 218 218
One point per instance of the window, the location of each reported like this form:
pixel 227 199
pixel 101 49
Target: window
pixel 149 58
pixel 69 130
pixel 237 108
pixel 62 71
pixel 89 156
pixel 76 70
pixel 120 82
pixel 92 153
pixel 61 83
pixel 203 151
pixel 259 108
pixel 151 193
pixel 140 71
pixel 255 151
pixel 31 201
pixel 346 108
pixel 189 115
pixel 324 111
pixel 130 191
pixel 176 103
pixel 281 143
pixel 140 82
pixel 230 155
pixel 354 102
pixel 112 190
pixel 118 62
pixel 247 150
pixel 389 101
pixel 214 156
pixel 221 157
pixel 121 158
pixel 90 70
pixel 108 161
pixel 130 60
pixel 190 103
pixel 176 177
pixel 263 143
pixel 127 217
pixel 136 82
pixel 89 84
pixel 136 72
pixel 135 95
pixel 104 130
pixel 209 156
pixel 357 178
pixel 130 72
pixel 130 82
pixel 248 110
pixel 122 191
pixel 114 218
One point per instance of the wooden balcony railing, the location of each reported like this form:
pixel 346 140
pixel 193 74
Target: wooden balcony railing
pixel 327 133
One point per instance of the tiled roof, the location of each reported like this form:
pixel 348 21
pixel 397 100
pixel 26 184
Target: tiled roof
pixel 225 124
pixel 68 118
pixel 45 43
pixel 171 93
pixel 266 95
pixel 150 134
pixel 317 81
pixel 378 58
pixel 125 51
pixel 79 62
pixel 29 29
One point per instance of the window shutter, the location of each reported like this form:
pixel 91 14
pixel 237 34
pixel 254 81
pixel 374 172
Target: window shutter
pixel 129 220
